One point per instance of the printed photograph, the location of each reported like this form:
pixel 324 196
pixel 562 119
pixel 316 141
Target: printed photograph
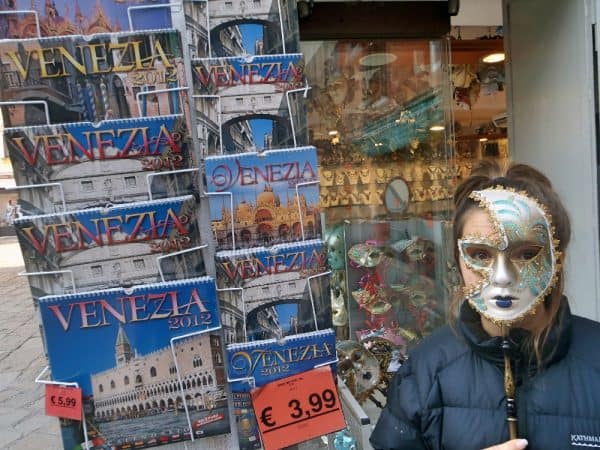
pixel 250 103
pixel 263 199
pixel 92 78
pixel 135 394
pixel 43 18
pixel 227 28
pixel 117 162
pixel 284 291
pixel 100 248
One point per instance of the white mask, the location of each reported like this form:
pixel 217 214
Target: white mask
pixel 517 261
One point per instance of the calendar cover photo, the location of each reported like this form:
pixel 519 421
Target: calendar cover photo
pixel 263 199
pixel 92 78
pixel 275 292
pixel 156 376
pixel 100 248
pixel 227 28
pixel 250 103
pixel 254 364
pixel 87 165
pixel 29 19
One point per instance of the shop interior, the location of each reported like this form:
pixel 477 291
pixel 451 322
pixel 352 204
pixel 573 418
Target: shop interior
pixel 397 124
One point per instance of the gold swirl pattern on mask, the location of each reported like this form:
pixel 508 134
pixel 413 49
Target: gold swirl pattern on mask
pixel 555 254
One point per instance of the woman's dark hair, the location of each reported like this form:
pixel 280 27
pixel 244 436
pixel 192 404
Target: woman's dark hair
pixel 521 177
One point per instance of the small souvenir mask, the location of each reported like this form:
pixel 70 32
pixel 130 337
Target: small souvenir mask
pixel 365 255
pixel 338 308
pixel 359 369
pixel 375 303
pixel 517 261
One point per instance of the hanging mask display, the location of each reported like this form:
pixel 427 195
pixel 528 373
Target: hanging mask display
pixel 358 368
pixel 334 238
pixel 365 255
pixel 338 307
pixel 517 262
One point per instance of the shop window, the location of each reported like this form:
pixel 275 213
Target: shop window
pixel 478 80
pixel 87 186
pixel 130 182
pixel 379 114
pixel 96 271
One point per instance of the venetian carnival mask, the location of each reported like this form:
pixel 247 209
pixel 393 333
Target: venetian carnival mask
pixel 517 262
pixel 359 369
pixel 365 255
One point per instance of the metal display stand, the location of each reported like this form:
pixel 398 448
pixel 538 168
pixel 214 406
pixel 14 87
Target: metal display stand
pixel 61 383
pixel 183 96
pixel 359 423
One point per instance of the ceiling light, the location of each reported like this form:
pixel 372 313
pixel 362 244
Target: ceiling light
pixel 333 132
pixel 437 128
pixel 377 59
pixel 483 139
pixel 493 58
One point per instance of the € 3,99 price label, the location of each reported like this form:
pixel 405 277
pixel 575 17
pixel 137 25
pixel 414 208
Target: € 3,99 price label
pixel 63 401
pixel 298 408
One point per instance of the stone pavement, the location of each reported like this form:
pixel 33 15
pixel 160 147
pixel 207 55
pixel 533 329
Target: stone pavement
pixel 23 424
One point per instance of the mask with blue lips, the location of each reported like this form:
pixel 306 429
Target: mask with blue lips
pixel 517 263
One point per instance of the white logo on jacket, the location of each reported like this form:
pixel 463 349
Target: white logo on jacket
pixel 585 440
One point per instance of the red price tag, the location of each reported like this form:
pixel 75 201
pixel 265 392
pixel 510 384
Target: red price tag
pixel 298 408
pixel 63 401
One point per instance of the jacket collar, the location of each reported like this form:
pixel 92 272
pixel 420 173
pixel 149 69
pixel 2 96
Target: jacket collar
pixel 490 348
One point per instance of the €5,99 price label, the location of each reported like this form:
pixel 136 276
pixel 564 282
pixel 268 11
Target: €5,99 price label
pixel 298 408
pixel 63 401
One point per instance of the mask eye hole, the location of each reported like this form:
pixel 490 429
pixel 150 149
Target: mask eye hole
pixel 525 253
pixel 481 255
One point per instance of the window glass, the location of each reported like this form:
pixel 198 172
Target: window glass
pixel 380 116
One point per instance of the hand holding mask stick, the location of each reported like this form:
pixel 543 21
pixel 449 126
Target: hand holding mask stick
pixel 511 258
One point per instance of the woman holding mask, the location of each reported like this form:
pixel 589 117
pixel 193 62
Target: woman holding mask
pixel 511 327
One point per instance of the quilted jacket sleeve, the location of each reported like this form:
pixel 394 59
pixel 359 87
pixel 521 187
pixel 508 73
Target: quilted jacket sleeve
pixel 399 425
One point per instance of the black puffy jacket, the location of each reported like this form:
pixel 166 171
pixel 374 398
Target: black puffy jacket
pixel 450 393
